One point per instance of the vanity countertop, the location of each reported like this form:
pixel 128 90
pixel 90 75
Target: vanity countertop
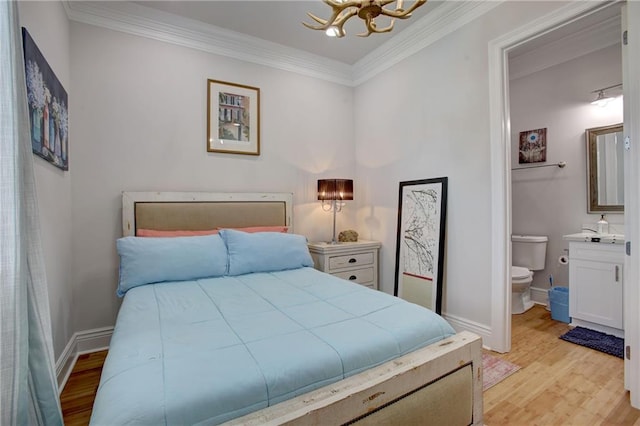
pixel 591 237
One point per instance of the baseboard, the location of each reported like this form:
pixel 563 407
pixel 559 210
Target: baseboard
pixel 80 343
pixel 540 295
pixel 65 363
pixel 93 340
pixel 460 324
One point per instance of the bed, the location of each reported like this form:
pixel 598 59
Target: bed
pixel 236 327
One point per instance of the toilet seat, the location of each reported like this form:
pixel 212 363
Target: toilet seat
pixel 520 273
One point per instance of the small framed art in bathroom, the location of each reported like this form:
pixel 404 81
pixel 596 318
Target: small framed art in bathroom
pixel 532 146
pixel 422 212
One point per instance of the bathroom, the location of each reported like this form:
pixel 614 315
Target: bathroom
pixel 552 84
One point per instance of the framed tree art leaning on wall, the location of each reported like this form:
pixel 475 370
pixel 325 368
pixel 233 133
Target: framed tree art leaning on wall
pixel 422 210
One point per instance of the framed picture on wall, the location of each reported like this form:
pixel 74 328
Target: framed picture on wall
pixel 422 212
pixel 532 146
pixel 48 107
pixel 233 118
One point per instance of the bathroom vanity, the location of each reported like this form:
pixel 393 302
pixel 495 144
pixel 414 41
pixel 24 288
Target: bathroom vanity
pixel 595 281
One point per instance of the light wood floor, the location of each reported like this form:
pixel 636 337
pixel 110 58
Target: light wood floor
pixel 559 384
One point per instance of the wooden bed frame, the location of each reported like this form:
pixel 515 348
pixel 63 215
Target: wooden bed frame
pixel 438 384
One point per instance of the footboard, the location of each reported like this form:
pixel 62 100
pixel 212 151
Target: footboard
pixel 438 384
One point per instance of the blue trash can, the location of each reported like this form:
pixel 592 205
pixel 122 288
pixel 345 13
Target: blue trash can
pixel 559 301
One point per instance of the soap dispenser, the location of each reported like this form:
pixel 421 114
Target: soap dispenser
pixel 603 225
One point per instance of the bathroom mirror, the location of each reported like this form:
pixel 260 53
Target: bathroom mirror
pixel 605 169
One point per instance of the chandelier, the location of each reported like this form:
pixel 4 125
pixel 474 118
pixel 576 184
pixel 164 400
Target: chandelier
pixel 367 10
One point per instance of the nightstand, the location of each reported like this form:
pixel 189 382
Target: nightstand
pixel 356 261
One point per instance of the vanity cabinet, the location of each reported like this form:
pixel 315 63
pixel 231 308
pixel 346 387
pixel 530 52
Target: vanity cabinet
pixel 595 286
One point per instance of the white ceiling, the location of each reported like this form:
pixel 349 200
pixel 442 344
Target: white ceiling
pixel 591 24
pixel 573 40
pixel 281 22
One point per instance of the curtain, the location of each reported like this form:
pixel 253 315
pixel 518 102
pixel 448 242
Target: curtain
pixel 28 387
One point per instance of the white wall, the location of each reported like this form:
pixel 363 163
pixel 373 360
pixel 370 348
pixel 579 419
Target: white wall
pixel 48 25
pixel 553 201
pixel 140 124
pixel 428 117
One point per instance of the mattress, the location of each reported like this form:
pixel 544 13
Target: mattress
pixel 209 350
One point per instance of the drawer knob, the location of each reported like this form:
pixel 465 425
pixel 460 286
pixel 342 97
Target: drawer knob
pixel 352 260
pixel 352 277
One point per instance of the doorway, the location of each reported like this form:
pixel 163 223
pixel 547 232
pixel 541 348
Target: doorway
pixel 501 156
pixel 552 81
pixel 500 132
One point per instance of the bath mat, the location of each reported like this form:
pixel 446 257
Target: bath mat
pixel 495 370
pixel 602 342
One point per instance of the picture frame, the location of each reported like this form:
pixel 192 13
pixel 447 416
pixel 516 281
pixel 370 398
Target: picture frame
pixel 233 118
pixel 532 146
pixel 48 107
pixel 422 213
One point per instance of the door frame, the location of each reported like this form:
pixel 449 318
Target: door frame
pixel 500 151
pixel 500 133
pixel 631 130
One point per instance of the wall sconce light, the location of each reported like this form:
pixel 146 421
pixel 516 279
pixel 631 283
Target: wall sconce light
pixel 332 193
pixel 602 100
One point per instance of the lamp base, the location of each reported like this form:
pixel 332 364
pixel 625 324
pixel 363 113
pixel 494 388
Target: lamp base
pixel 335 210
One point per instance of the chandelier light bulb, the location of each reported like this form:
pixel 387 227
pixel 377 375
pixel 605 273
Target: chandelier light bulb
pixel 332 32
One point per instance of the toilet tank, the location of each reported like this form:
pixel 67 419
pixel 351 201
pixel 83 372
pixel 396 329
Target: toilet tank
pixel 529 251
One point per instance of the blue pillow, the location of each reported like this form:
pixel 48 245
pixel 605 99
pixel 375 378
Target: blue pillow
pixel 265 251
pixel 153 260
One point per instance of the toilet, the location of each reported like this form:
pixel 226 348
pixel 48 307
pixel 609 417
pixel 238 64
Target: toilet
pixel 528 254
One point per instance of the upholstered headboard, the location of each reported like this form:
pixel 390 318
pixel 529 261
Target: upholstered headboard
pixel 203 210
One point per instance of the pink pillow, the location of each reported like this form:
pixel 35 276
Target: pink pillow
pixel 158 233
pixel 252 229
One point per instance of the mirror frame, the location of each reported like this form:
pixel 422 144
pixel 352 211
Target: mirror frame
pixel 592 170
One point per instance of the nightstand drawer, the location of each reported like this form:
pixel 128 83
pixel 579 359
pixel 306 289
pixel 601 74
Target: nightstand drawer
pixel 354 261
pixel 360 276
pixel 348 261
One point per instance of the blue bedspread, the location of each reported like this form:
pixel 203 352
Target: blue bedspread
pixel 210 350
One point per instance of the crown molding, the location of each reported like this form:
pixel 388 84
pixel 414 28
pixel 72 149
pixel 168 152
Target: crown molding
pixel 147 22
pixel 443 20
pixel 588 40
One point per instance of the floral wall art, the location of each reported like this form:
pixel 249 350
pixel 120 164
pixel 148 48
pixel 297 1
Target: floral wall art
pixel 48 107
pixel 533 146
